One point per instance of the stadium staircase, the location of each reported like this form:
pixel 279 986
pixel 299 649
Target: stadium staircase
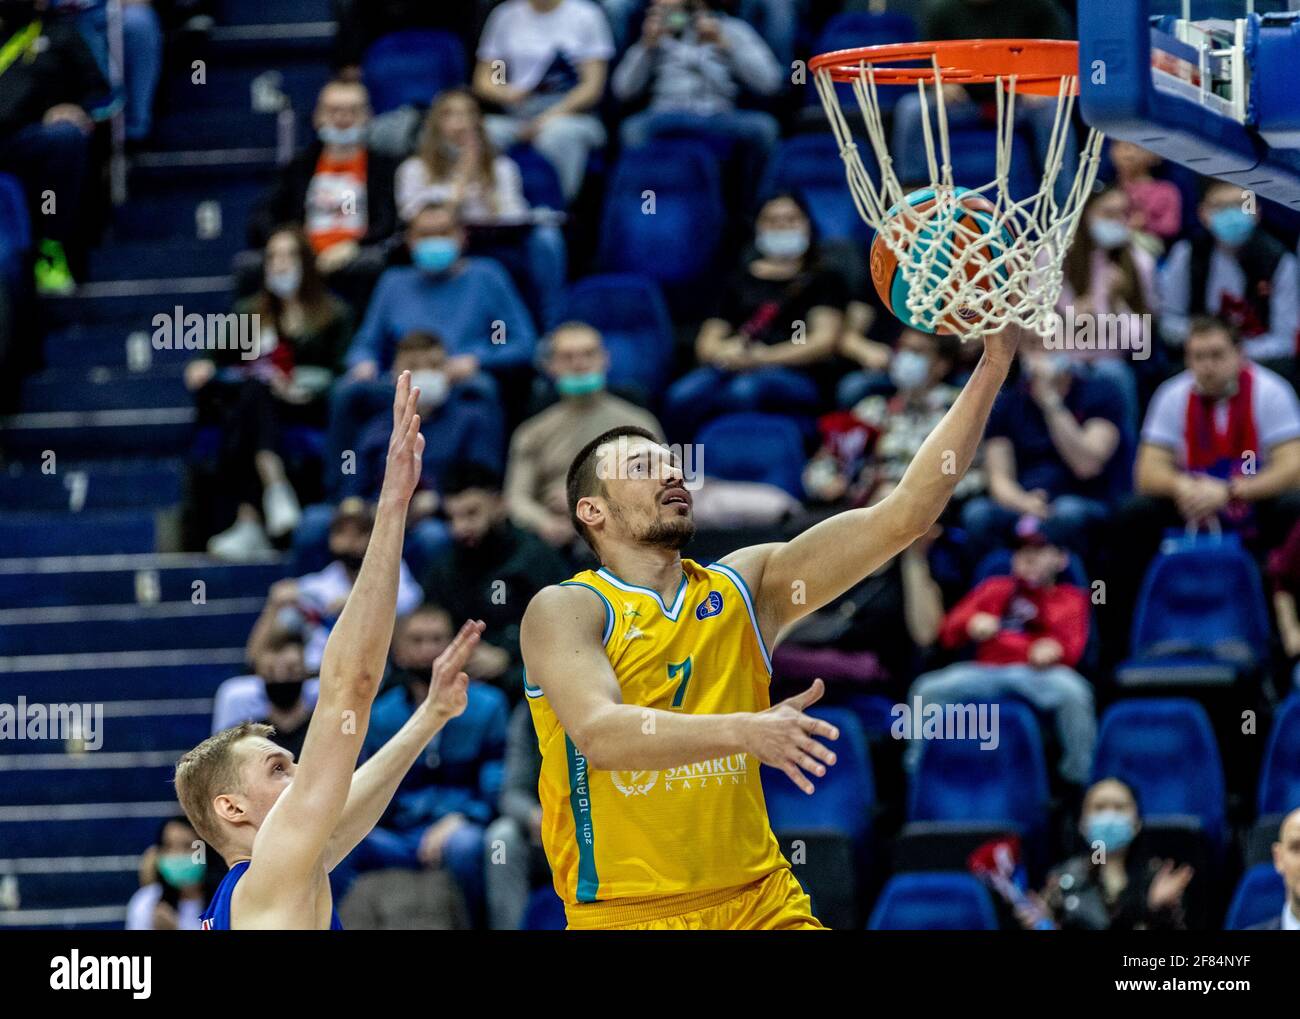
pixel 96 606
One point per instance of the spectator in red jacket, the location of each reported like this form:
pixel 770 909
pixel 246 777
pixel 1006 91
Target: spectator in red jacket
pixel 1027 632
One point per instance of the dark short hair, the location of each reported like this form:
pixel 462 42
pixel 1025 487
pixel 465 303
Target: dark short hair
pixel 467 475
pixel 1213 324
pixel 582 481
pixel 418 340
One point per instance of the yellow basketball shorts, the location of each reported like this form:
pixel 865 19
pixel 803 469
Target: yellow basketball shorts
pixel 774 903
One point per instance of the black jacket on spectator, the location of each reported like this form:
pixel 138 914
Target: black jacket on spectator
pixel 1258 259
pixel 61 69
pixel 287 200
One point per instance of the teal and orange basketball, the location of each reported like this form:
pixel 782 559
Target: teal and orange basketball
pixel 977 216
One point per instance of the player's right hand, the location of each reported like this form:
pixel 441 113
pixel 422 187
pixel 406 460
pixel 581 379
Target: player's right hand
pixel 782 737
pixel 405 445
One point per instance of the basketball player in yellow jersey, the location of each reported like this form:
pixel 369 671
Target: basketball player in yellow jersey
pixel 648 680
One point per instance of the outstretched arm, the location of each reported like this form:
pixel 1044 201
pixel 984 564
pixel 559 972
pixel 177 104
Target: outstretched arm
pixel 374 782
pixel 562 648
pixel 796 577
pixel 290 846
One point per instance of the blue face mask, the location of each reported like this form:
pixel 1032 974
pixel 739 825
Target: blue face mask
pixel 344 136
pixel 781 243
pixel 1112 828
pixel 580 385
pixel 1232 227
pixel 435 254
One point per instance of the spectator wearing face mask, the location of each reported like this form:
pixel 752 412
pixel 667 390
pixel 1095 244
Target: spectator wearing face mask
pixel 865 450
pixel 1052 450
pixel 489 571
pixel 312 603
pixel 173 891
pixel 544 64
pixel 1112 885
pixel 457 164
pixel 1109 290
pixel 340 191
pixel 278 691
pixel 302 338
pixel 772 344
pixel 484 325
pixel 1236 271
pixel 1157 204
pixel 542 447
pixel 459 424
pixel 1028 632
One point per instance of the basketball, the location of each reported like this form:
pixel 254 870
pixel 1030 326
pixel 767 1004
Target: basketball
pixel 973 225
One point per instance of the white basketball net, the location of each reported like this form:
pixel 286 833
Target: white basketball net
pixel 984 285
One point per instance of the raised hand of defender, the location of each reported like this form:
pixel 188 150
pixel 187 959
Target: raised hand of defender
pixel 782 737
pixel 405 445
pixel 449 683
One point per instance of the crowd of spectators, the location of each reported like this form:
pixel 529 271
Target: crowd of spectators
pixel 370 256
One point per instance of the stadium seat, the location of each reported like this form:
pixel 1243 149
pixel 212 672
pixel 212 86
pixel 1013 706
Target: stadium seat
pixel 957 781
pixel 409 68
pixel 998 564
pixel 1260 894
pixel 1191 632
pixel 973 149
pixel 1279 780
pixel 1165 749
pixel 845 796
pixel 852 29
pixel 809 165
pixel 630 313
pixel 664 218
pixel 15 228
pixel 544 912
pixel 541 183
pixel 937 901
pixel 750 446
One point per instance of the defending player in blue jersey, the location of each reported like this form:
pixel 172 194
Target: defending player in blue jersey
pixel 282 826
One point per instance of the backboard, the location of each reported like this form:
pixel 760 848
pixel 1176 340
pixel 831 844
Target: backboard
pixel 1211 84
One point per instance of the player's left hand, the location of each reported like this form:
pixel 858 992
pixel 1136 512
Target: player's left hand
pixel 449 683
pixel 405 445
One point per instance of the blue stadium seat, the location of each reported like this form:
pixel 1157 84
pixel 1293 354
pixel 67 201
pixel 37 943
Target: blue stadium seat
pixel 675 241
pixel 630 313
pixel 1279 779
pixel 750 446
pixel 853 29
pixel 845 796
pixel 541 183
pixel 957 781
pixel 15 227
pixel 809 165
pixel 998 564
pixel 1260 894
pixel 1185 629
pixel 934 901
pixel 973 149
pixel 1165 749
pixel 544 912
pixel 411 67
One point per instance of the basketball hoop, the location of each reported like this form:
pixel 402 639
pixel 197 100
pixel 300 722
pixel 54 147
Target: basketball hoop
pixel 1006 268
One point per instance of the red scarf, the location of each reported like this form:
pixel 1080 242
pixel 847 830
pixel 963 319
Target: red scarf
pixel 1215 452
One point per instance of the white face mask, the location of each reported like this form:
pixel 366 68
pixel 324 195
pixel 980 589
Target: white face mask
pixel 1109 234
pixel 286 283
pixel 433 386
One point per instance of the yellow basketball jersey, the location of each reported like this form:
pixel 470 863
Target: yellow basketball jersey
pixel 612 835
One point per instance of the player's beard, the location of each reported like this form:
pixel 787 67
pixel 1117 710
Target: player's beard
pixel 659 533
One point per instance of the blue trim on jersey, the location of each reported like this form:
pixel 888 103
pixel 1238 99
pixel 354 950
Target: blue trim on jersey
pixel 748 599
pixel 584 831
pixel 529 689
pixel 217 916
pixel 609 609
pixel 678 599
